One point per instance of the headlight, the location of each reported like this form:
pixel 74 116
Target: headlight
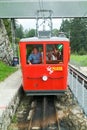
pixel 44 78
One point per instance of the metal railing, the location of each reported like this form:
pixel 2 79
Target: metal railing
pixel 78 84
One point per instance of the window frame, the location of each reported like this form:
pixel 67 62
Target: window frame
pixel 34 45
pixel 60 62
pixel 44 44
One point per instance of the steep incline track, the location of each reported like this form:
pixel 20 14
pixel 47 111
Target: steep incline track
pixel 44 116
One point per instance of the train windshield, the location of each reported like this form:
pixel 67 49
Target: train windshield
pixel 34 54
pixel 54 53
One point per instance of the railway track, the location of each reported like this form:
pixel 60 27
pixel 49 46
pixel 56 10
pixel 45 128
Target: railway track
pixel 36 113
pixel 49 113
pixel 44 115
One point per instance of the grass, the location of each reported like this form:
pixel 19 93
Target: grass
pixel 79 60
pixel 5 70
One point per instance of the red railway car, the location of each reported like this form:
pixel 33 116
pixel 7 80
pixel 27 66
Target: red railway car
pixel 46 75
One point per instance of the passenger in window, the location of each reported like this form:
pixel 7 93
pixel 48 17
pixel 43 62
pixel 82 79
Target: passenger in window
pixel 52 54
pixel 61 55
pixel 56 54
pixel 35 57
pixel 54 57
pixel 49 55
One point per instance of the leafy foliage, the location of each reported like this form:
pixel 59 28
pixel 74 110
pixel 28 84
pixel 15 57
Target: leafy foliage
pixel 7 23
pixel 19 31
pixel 14 119
pixel 30 33
pixel 65 27
pixel 76 28
pixel 55 32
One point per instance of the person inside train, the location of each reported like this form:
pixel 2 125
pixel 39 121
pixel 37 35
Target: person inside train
pixel 55 54
pixel 35 57
pixel 52 55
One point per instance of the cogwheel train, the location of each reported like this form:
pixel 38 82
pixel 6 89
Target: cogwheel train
pixel 44 63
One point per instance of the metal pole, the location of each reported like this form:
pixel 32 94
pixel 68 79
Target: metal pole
pixel 13 36
pixel 51 22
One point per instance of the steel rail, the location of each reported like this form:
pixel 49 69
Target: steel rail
pixel 77 72
pixel 44 117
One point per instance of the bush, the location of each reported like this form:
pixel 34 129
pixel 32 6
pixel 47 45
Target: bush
pixel 82 52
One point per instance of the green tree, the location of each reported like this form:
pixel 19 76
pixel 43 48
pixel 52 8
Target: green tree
pixel 76 28
pixel 19 31
pixel 65 27
pixel 55 32
pixel 78 35
pixel 26 33
pixel 7 23
pixel 30 33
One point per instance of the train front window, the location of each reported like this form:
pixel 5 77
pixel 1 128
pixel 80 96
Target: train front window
pixel 34 54
pixel 54 53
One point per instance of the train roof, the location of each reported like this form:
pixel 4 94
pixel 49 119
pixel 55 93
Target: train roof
pixel 44 39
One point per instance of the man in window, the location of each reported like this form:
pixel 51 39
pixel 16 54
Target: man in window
pixel 35 57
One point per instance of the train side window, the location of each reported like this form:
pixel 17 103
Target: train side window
pixel 54 53
pixel 34 54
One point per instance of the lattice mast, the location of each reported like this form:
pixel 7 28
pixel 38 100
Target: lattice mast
pixel 46 20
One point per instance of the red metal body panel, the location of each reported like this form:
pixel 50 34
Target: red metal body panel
pixel 32 74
